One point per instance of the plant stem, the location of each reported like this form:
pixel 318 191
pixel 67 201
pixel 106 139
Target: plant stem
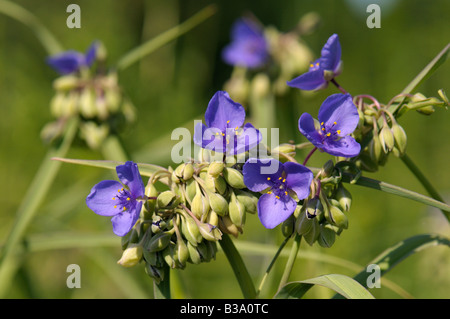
pixel 291 260
pixel 309 155
pixel 165 37
pixel 340 88
pixel 424 181
pixel 263 280
pixel 162 290
pixel 240 271
pixel 32 200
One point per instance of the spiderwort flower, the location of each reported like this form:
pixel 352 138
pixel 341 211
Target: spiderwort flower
pixel 224 131
pixel 120 200
pixel 277 204
pixel 72 61
pixel 323 70
pixel 338 117
pixel 249 47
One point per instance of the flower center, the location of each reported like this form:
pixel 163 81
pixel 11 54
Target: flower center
pixel 329 131
pixel 278 187
pixel 122 200
pixel 229 134
pixel 314 66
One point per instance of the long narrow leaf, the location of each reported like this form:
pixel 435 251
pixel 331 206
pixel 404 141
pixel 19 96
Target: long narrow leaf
pixel 345 286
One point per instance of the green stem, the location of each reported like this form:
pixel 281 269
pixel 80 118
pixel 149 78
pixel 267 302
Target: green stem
pixel 113 150
pixel 240 271
pixel 32 199
pixel 423 180
pixel 51 45
pixel 263 280
pixel 153 44
pixel 162 290
pixel 291 260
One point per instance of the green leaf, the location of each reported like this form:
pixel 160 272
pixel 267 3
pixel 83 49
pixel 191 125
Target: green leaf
pixel 395 254
pixel 346 286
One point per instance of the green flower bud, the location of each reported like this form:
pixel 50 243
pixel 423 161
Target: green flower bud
pixel 212 218
pixel 287 228
pixel 93 134
pixel 190 230
pixel 426 110
pixel 400 138
pixel 113 98
pixel 167 199
pixel 194 255
pixel 375 149
pixel 200 205
pixel 313 207
pixel 218 203
pixel 344 197
pixel 151 258
pixel 151 191
pixel 230 161
pixel 328 75
pixel 366 162
pixel 236 211
pixel 220 185
pixel 227 226
pixel 203 155
pixel 234 178
pixel 65 83
pixel 327 236
pixel 203 250
pixel 157 224
pixel 184 171
pixel 249 200
pixel 337 217
pixel 132 237
pixel 313 233
pixel 210 183
pixel 159 241
pixel 182 253
pixel 154 272
pixel 131 256
pixel 169 256
pixel 191 189
pixel 212 249
pixel 86 103
pixel 284 148
pixel 210 232
pixel 386 139
pixel 328 168
pixel 215 168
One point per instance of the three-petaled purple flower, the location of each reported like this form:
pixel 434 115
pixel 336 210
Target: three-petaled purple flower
pixel 249 47
pixel 338 117
pixel 225 131
pixel 281 181
pixel 123 200
pixel 323 69
pixel 71 61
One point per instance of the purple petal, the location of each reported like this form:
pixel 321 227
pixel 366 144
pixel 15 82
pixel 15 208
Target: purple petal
pixel 124 221
pixel 66 62
pixel 223 112
pixel 257 171
pixel 273 211
pixel 91 54
pixel 311 80
pixel 339 108
pixel 128 174
pixel 309 130
pixel 331 54
pixel 208 138
pixel 298 178
pixel 100 199
pixel 248 139
pixel 345 147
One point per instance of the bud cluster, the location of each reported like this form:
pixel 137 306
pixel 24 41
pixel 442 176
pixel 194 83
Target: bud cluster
pixel 95 97
pixel 322 216
pixel 183 223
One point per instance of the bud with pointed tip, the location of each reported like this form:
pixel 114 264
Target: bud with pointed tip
pixel 386 139
pixel 344 197
pixel 326 237
pixel 131 256
pixel 233 177
pixel 218 203
pixel 210 232
pixel 159 241
pixel 200 205
pixel 400 138
pixel 215 168
pixel 236 211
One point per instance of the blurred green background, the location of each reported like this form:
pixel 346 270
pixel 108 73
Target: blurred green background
pixel 171 87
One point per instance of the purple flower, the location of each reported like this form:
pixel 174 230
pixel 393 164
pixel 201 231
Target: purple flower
pixel 338 117
pixel 120 200
pixel 282 182
pixel 225 131
pixel 323 69
pixel 71 61
pixel 248 48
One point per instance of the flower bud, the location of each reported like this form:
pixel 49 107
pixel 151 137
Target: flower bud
pixel 131 256
pixel 200 205
pixel 112 99
pixel 234 178
pixel 159 241
pixel 249 200
pixel 236 211
pixel 344 197
pixel 167 199
pixel 87 103
pixel 220 185
pixel 169 255
pixel 287 227
pixel 327 236
pixel 154 272
pixel 65 83
pixel 375 149
pixel 386 139
pixel 313 232
pixel 191 189
pixel 215 168
pixel 400 138
pixel 227 226
pixel 210 232
pixel 218 203
pixel 93 134
pixel 337 217
pixel 212 218
pixel 284 148
pixel 204 252
pixel 313 208
pixel 212 249
pixel 327 169
pixel 131 237
pixel 194 255
pixel 426 110
pixel 190 230
pixel 182 253
pixel 151 191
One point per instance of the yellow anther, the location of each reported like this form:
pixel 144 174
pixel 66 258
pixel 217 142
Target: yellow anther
pixel 311 65
pixel 321 123
pixel 268 178
pixel 328 134
pixel 128 198
pixel 124 208
pixel 285 193
pixel 338 131
pixel 277 197
pixel 269 192
pixel 113 198
pixel 323 129
pixel 236 128
pixel 334 123
pixel 284 180
pixel 228 122
pixel 279 178
pixel 317 64
pixel 223 134
pixel 115 206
